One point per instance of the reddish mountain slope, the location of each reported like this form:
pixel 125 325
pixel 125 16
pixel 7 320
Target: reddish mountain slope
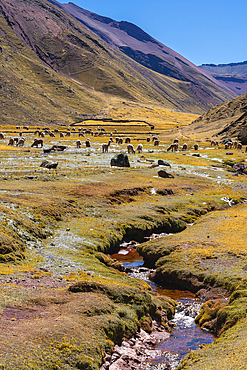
pixel 147 51
pixel 54 68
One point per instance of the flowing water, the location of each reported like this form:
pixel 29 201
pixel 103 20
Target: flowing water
pixel 186 335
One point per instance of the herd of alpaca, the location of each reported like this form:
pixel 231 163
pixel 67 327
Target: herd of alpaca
pixel 46 131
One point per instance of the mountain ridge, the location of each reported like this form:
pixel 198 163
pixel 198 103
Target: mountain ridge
pixel 115 32
pixel 232 75
pixel 228 119
pixel 54 69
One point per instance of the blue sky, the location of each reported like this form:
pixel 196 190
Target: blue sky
pixel 202 31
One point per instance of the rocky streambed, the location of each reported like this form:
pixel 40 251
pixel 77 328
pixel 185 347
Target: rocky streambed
pixel 169 342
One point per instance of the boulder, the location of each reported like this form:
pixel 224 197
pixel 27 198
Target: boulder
pixel 49 165
pixel 161 162
pixel 240 167
pixel 165 174
pixel 55 148
pixel 120 160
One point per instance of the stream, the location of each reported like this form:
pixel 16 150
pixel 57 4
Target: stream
pixel 186 335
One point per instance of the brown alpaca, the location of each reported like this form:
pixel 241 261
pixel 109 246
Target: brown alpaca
pixel 105 147
pixel 130 148
pixel 78 144
pixel 37 142
pixel 139 148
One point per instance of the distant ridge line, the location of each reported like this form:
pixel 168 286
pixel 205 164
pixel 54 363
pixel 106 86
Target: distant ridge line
pixel 226 64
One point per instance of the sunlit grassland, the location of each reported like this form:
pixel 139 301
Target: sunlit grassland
pixel 57 227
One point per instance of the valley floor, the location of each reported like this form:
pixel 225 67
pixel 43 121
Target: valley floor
pixel 64 301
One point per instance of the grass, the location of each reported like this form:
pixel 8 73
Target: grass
pixel 64 222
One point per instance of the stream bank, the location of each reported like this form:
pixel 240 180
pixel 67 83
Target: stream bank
pixel 168 343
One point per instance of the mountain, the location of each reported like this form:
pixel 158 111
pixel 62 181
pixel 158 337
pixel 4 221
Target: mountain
pixel 225 120
pixel 144 49
pixel 55 69
pixel 233 75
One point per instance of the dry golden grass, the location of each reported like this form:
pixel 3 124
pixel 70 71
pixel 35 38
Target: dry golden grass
pixel 64 217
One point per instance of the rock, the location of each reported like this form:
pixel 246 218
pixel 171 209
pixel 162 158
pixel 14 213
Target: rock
pixel 55 148
pixel 130 354
pixel 107 357
pixel 143 335
pixel 107 365
pixel 120 160
pixel 49 165
pixel 165 174
pixel 196 155
pixel 118 365
pixel 239 167
pixel 58 148
pixel 161 162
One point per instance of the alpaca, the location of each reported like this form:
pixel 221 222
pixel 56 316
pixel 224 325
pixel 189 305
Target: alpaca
pixel 21 142
pixel 173 147
pixel 105 147
pixel 239 146
pixel 36 143
pixel 139 148
pixel 156 142
pixel 130 148
pixel 78 144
